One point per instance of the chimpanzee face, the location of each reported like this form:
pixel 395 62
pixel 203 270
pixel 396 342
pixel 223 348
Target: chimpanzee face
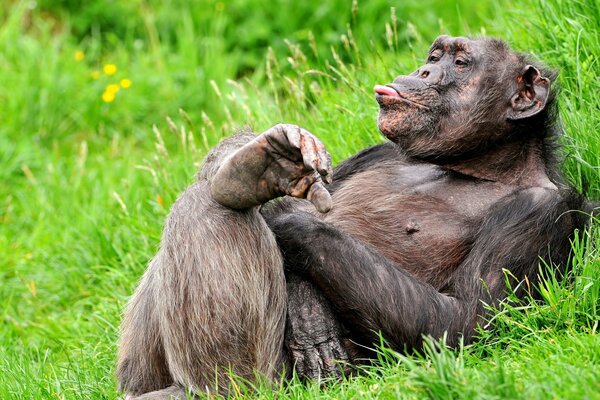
pixel 466 94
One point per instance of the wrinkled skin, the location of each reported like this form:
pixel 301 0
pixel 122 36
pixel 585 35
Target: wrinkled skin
pixel 317 344
pixel 453 104
pixel 284 160
pixel 406 239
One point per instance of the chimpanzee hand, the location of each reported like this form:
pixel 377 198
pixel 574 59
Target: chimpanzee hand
pixel 313 336
pixel 284 160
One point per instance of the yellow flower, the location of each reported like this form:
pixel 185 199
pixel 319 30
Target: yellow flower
pixel 125 83
pixel 79 56
pixel 95 74
pixel 108 97
pixel 112 88
pixel 110 69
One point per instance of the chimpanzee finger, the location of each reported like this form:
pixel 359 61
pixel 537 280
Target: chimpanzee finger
pixel 316 157
pixel 286 140
pixel 338 352
pixel 292 134
pixel 324 162
pixel 313 362
pixel 299 363
pixel 319 196
pixel 308 150
pixel 325 168
pixel 301 187
pixel 330 367
pixel 343 359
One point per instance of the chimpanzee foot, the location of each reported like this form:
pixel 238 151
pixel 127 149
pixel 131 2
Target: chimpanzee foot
pixel 327 359
pixel 314 338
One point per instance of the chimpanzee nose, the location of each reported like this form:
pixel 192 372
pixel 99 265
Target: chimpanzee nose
pixel 429 73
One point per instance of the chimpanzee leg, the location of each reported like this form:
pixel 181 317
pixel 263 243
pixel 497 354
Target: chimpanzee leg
pixel 221 294
pixel 372 294
pixel 211 302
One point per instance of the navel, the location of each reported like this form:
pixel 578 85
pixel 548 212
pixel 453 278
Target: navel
pixel 412 226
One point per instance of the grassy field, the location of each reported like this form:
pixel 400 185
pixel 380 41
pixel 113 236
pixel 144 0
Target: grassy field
pixel 107 109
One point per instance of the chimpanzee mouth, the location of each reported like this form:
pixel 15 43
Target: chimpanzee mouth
pixel 388 92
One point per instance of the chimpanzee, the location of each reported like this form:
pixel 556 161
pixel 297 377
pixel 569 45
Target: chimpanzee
pixel 410 237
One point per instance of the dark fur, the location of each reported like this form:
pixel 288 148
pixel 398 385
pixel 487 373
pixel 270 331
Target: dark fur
pixel 420 235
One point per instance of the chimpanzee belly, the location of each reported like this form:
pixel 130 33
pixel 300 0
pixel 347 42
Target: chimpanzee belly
pixel 420 216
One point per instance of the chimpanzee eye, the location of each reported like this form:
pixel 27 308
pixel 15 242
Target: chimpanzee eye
pixel 434 56
pixel 460 62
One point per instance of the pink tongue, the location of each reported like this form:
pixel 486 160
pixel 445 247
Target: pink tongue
pixel 385 90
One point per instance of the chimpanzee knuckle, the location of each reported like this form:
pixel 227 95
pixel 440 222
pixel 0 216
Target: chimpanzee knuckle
pixel 307 134
pixel 292 133
pixel 283 128
pixel 309 153
pixel 273 143
pixel 288 126
pixel 278 137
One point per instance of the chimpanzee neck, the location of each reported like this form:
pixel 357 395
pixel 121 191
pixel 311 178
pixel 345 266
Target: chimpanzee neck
pixel 517 163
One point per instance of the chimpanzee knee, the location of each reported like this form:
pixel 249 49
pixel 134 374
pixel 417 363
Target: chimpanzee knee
pixel 300 234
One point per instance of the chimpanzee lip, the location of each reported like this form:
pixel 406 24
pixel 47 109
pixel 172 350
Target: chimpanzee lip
pixel 384 91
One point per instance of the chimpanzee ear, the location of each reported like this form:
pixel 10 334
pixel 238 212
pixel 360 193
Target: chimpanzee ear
pixel 531 95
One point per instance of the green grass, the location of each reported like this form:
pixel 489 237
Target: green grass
pixel 85 185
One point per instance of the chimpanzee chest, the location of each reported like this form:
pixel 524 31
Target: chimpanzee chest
pixel 419 216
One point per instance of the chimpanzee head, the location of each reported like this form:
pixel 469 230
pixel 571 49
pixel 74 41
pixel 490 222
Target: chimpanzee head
pixel 470 94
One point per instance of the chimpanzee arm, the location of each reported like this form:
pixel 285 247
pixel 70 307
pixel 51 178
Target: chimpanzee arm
pixel 522 230
pixel 371 294
pixel 368 292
